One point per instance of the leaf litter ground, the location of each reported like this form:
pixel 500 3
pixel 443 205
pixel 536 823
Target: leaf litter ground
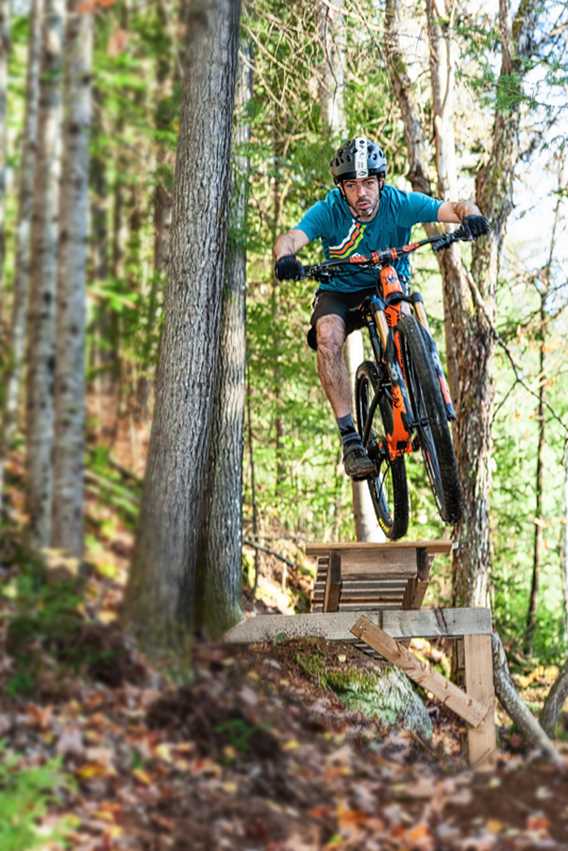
pixel 253 753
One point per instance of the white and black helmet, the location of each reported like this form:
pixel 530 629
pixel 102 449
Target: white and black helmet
pixel 360 157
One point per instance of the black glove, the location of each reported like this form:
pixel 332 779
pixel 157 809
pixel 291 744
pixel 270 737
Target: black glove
pixel 475 225
pixel 288 268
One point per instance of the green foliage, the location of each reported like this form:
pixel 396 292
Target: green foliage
pixel 25 794
pixel 45 620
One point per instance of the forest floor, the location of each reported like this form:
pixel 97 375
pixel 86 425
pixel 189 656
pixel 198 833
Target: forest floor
pixel 248 752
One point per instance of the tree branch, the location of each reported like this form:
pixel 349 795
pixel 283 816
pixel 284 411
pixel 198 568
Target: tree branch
pixel 516 708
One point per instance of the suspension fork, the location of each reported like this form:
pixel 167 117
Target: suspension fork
pixel 382 341
pixel 420 313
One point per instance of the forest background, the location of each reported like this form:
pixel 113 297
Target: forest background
pixel 294 487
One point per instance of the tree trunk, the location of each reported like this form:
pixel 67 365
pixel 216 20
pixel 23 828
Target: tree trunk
pixel 565 544
pixel 41 314
pixel 220 565
pixel 23 240
pixel 160 596
pixel 515 707
pixel 100 359
pixel 332 101
pixel 469 299
pixel 538 539
pixel 4 52
pixel 69 443
pixel 276 324
pixel 555 700
pixel 365 519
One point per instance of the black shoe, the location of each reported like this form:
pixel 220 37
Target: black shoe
pixel 357 463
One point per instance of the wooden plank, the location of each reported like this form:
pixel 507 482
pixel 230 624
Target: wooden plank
pixel 336 626
pixel 398 561
pixel 482 741
pixel 333 584
pixel 438 546
pixel 464 705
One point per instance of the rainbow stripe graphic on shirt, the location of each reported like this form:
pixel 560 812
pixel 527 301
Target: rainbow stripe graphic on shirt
pixel 350 243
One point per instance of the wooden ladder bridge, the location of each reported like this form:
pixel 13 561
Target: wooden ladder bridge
pixel 371 594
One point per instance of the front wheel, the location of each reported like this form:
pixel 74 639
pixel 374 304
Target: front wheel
pixel 431 419
pixel 389 489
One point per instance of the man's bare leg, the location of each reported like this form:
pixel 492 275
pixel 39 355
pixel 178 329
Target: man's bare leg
pixel 332 370
pixel 334 379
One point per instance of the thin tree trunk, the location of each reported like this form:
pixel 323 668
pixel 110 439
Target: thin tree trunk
pixel 254 508
pixel 470 298
pixel 555 700
pixel 565 544
pixel 99 359
pixel 22 270
pixel 365 519
pixel 160 595
pixel 332 101
pixel 4 53
pixel 515 707
pixel 41 314
pixel 538 540
pixel 69 443
pixel 276 314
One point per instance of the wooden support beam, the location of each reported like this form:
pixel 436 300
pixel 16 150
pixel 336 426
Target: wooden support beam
pixel 416 588
pixel 336 626
pixel 332 584
pixel 482 741
pixel 464 705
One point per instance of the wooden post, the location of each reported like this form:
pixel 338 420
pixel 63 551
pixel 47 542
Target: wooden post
pixel 333 584
pixel 482 740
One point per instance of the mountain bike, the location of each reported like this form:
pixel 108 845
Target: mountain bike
pixel 402 400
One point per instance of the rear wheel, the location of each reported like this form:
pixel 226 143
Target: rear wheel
pixel 389 490
pixel 431 419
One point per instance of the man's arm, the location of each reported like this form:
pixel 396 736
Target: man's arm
pixel 289 243
pixel 454 212
pixel 466 212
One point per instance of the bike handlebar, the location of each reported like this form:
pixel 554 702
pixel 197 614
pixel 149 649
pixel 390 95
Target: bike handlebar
pixel 325 271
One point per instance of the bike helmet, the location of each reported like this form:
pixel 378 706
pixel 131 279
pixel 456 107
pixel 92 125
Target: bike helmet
pixel 360 157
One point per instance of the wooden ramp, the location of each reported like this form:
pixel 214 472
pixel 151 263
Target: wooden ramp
pixel 365 577
pixel 371 594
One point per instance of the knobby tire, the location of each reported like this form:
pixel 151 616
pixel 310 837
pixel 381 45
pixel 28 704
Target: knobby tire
pixel 389 490
pixel 432 421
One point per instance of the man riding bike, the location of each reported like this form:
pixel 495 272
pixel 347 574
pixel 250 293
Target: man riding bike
pixel 363 214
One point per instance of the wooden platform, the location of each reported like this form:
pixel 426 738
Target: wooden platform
pixel 365 577
pixel 371 594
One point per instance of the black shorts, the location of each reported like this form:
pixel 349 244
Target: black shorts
pixel 341 304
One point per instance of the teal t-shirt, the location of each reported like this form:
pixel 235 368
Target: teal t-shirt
pixel 343 235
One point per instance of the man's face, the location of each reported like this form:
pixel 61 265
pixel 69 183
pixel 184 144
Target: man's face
pixel 362 195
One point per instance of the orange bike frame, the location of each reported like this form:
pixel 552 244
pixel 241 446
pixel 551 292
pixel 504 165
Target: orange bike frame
pixel 399 440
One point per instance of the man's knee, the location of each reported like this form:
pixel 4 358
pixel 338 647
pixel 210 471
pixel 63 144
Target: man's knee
pixel 330 332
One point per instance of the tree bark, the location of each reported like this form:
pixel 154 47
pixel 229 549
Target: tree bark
pixel 220 563
pixel 160 595
pixel 22 269
pixel 565 543
pixel 4 53
pixel 555 700
pixel 41 314
pixel 543 287
pixel 469 299
pixel 332 102
pixel 69 442
pixel 515 707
